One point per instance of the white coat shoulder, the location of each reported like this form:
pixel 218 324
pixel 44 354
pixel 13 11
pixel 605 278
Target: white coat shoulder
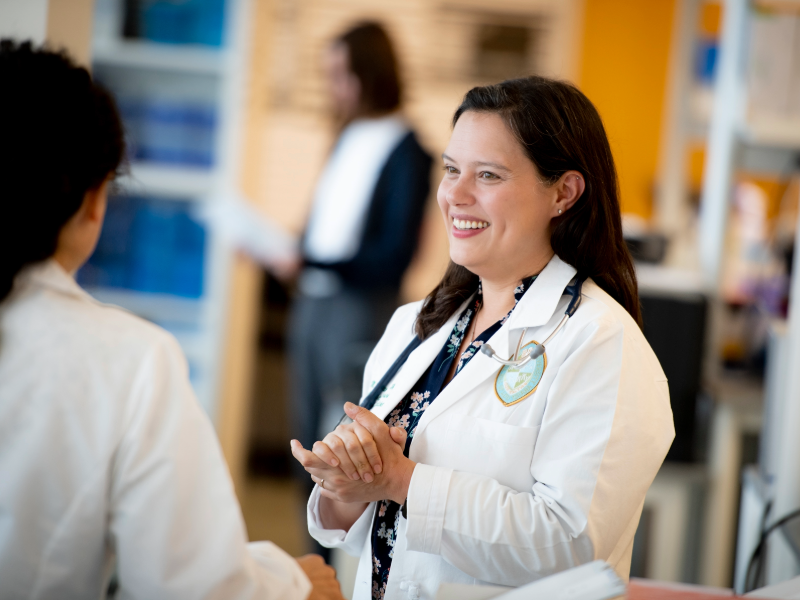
pixel 600 312
pixel 47 304
pixel 101 438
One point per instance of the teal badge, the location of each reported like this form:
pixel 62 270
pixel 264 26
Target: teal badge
pixel 514 384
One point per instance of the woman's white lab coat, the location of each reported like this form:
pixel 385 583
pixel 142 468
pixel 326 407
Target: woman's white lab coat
pixel 104 451
pixel 505 495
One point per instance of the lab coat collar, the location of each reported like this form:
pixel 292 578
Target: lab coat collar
pixel 539 303
pixel 419 360
pixel 534 309
pixel 50 274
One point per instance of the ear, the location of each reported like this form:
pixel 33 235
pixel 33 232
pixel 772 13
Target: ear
pixel 568 188
pixel 95 201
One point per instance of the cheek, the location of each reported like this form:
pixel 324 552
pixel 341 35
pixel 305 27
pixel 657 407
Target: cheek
pixel 441 197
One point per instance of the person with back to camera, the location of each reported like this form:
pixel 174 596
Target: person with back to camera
pixel 105 455
pixel 477 471
pixel 362 230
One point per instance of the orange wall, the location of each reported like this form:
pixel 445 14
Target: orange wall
pixel 626 45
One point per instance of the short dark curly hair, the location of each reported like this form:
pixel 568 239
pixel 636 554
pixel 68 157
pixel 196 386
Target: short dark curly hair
pixel 60 136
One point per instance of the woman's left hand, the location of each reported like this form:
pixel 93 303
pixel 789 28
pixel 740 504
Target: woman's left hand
pixel 391 483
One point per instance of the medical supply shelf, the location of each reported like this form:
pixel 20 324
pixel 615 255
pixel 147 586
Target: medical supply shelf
pixel 741 134
pixel 182 107
pixel 772 132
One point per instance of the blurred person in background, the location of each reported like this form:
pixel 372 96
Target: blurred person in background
pixel 477 470
pixel 106 457
pixel 361 234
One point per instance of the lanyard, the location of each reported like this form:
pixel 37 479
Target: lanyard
pixel 370 399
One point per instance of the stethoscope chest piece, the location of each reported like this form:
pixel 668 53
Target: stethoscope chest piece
pixel 515 382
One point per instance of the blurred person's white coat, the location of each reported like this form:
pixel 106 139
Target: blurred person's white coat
pixel 105 451
pixel 505 495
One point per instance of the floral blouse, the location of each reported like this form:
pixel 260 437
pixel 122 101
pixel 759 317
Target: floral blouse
pixel 407 415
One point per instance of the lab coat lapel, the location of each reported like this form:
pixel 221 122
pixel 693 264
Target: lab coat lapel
pixel 479 368
pixel 540 302
pixel 534 309
pixel 415 366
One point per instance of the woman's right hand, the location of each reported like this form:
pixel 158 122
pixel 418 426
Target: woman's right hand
pixel 353 449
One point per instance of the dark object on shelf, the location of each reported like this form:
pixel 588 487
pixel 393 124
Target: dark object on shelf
pixel 169 132
pixel 648 248
pixel 170 22
pixel 132 23
pixel 675 328
pixel 148 245
pixel 705 61
pixel 161 127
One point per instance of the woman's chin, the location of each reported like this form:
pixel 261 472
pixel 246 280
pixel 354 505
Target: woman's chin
pixel 468 261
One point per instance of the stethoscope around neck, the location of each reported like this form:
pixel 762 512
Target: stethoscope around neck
pixel 538 350
pixel 372 397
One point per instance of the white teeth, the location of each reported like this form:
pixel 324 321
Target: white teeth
pixel 463 224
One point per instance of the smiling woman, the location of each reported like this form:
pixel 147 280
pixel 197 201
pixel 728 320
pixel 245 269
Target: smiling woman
pixel 551 134
pixel 467 471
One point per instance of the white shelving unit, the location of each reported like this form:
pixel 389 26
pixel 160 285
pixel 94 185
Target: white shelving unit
pixel 736 138
pixel 685 121
pixel 159 57
pixel 198 324
pixel 179 183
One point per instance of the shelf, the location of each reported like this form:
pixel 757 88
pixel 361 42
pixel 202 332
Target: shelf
pixel 659 280
pixel 778 5
pixel 159 308
pixel 770 131
pixel 162 57
pixel 177 182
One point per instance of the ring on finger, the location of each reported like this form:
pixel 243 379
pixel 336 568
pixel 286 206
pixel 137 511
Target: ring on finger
pixel 322 483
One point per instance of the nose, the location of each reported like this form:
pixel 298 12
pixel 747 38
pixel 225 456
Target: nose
pixel 458 192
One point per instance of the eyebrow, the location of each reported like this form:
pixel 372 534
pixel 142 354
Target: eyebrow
pixel 481 163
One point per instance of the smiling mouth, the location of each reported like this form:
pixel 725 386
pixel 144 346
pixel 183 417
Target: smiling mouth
pixel 464 225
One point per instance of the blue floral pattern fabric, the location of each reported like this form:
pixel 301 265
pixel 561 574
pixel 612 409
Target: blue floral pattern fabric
pixel 407 415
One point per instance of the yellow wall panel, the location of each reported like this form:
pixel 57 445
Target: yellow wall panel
pixel 626 45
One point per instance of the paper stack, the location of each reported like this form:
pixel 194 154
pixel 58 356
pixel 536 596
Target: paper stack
pixel 593 581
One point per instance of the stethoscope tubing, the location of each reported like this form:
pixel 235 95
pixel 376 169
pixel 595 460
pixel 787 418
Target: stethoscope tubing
pixel 574 290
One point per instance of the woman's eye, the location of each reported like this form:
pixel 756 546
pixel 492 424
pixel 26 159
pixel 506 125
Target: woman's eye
pixel 487 175
pixel 450 170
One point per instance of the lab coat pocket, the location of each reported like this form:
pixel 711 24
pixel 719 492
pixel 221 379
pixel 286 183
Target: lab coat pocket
pixel 497 450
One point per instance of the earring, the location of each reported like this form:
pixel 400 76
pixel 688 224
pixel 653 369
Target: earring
pixel 559 211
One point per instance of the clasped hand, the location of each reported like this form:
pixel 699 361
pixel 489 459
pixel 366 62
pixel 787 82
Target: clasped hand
pixel 359 462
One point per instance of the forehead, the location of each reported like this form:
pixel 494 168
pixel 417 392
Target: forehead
pixel 482 136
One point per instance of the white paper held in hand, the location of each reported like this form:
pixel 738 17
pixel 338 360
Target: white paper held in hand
pixel 244 227
pixel 593 581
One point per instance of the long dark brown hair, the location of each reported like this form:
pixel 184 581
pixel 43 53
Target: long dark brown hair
pixel 373 61
pixel 560 130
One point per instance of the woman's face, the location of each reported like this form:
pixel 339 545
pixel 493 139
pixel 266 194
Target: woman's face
pixel 496 210
pixel 344 86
